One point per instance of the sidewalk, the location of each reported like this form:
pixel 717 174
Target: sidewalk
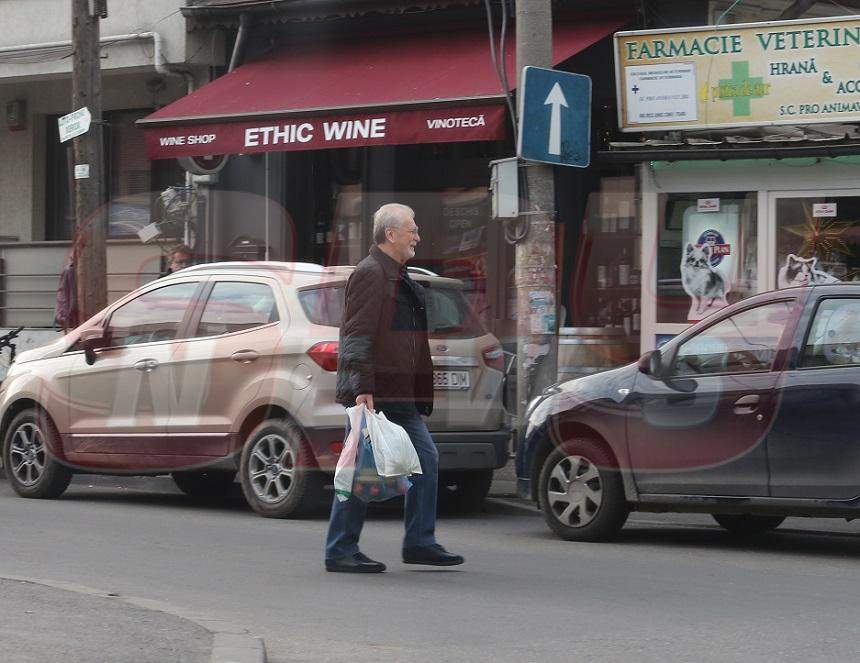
pixel 505 481
pixel 58 622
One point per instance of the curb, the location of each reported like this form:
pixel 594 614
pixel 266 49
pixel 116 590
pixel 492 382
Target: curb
pixel 230 643
pixel 516 503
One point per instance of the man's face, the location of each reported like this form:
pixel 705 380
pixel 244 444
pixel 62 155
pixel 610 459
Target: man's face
pixel 404 238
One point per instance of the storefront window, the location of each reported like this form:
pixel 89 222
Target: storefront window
pixel 464 244
pixel 706 254
pixel 133 182
pixel 601 317
pixel 349 243
pixel 817 240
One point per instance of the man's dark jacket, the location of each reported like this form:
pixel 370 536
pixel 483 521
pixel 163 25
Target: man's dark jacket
pixel 383 337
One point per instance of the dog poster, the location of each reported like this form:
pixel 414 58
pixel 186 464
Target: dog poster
pixel 709 258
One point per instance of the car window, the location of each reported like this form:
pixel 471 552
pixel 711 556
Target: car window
pixel 323 306
pixel 448 313
pixel 236 306
pixel 154 316
pixel 834 338
pixel 747 341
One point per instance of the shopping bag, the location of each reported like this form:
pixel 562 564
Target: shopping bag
pixel 344 473
pixel 368 485
pixel 356 473
pixel 393 451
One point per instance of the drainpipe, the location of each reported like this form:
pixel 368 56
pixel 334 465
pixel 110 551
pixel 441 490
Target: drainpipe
pixel 163 67
pixel 241 38
pixel 51 50
pixel 21 50
pixel 58 49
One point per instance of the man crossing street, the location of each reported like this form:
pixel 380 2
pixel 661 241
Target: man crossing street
pixel 384 362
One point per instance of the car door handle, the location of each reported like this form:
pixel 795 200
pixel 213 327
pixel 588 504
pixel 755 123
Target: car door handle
pixel 245 356
pixel 146 365
pixel 747 404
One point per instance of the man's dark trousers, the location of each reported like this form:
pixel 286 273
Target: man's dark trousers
pixel 419 513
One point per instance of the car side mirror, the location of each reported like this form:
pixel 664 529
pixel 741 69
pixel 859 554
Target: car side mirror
pixel 91 340
pixel 684 385
pixel 651 363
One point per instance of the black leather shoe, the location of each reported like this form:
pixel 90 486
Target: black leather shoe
pixel 434 555
pixel 357 563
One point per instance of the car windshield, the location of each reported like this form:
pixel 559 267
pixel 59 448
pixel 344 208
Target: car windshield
pixel 448 313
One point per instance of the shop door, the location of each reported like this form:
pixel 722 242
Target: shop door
pixel 705 252
pixel 814 238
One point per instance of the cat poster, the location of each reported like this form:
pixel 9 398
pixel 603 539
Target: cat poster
pixel 709 259
pixel 799 272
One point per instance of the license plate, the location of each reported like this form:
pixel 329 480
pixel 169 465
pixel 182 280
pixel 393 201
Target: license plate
pixel 450 379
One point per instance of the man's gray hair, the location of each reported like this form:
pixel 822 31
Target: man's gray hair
pixel 389 216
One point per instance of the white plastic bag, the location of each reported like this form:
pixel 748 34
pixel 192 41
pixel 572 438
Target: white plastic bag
pixel 393 451
pixel 345 471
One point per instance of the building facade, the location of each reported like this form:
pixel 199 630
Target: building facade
pixel 148 60
pixel 304 117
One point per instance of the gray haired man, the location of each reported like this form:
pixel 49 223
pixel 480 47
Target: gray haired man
pixel 384 362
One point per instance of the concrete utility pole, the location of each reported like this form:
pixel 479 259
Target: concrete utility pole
pixel 90 211
pixel 535 273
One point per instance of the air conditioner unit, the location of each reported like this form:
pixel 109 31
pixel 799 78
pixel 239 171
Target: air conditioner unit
pixel 149 233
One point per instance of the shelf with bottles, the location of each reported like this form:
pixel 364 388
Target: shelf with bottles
pixel 620 288
pixel 617 270
pixel 620 228
pixel 619 312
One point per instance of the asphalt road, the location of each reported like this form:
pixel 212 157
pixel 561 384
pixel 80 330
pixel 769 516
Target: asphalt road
pixel 671 588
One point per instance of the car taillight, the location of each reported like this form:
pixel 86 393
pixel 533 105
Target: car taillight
pixel 494 357
pixel 325 354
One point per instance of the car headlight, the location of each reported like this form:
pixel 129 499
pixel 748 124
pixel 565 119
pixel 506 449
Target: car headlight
pixel 533 403
pixel 537 412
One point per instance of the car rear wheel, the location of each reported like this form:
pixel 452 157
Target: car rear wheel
pixel 30 466
pixel 278 473
pixel 204 484
pixel 747 525
pixel 464 492
pixel 580 492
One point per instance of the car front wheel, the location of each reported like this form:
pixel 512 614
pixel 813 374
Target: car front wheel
pixel 580 492
pixel 747 525
pixel 278 475
pixel 30 467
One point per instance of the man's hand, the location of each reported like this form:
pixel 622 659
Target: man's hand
pixel 367 399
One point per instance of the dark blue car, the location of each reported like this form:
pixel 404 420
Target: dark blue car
pixel 751 415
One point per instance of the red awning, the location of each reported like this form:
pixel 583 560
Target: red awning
pixel 388 90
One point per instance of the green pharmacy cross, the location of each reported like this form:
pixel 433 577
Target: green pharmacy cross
pixel 740 88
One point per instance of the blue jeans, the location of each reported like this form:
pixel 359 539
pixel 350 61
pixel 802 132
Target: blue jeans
pixel 419 512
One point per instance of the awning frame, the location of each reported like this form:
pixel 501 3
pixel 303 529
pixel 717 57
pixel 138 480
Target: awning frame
pixel 728 153
pixel 326 110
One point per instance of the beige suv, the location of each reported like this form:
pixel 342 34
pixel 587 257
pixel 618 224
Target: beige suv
pixel 230 367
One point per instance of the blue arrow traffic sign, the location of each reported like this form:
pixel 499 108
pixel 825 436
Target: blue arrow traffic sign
pixel 555 117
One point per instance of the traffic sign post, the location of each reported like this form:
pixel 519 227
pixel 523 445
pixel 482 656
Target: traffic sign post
pixel 74 124
pixel 555 117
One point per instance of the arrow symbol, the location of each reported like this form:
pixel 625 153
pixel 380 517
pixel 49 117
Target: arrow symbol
pixel 556 99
